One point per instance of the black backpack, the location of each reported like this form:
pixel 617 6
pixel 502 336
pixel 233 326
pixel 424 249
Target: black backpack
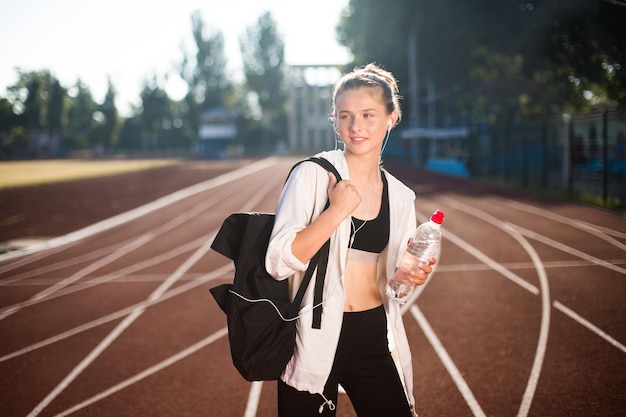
pixel 261 318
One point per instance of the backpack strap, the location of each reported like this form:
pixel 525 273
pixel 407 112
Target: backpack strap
pixel 319 260
pixel 323 162
pixel 326 164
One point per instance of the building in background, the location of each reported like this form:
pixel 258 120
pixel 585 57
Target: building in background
pixel 310 89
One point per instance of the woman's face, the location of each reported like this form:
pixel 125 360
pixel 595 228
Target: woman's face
pixel 361 120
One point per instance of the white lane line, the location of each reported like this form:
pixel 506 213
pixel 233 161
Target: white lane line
pixel 103 279
pixel 570 250
pixel 545 317
pixel 586 323
pixel 260 195
pixel 190 285
pixel 137 243
pixel 116 274
pixel 9 266
pixel 148 372
pixel 542 343
pixel 111 337
pixel 598 231
pixel 601 232
pixel 253 399
pixel 143 210
pixel 467 247
pixel 121 327
pixel 7 311
pixel 544 329
pixel 447 361
pixel 60 264
pixel 256 387
pixel 255 393
pixel 523 265
pixel 126 249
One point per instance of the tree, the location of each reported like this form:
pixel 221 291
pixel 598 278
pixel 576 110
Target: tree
pixel 30 96
pixel 562 43
pixel 8 118
pixel 107 120
pixel 263 54
pixel 375 32
pixel 37 98
pixel 80 118
pixel 33 106
pixel 9 122
pixel 206 76
pixel 613 60
pixel 443 36
pixel 130 134
pixel 55 115
pixel 155 114
pixel 586 57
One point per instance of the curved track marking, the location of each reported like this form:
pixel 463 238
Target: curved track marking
pixel 545 320
pixel 601 232
pixel 515 231
pixel 544 329
pixel 491 263
pixel 570 250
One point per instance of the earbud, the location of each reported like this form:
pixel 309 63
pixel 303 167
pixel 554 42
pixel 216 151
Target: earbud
pixel 389 127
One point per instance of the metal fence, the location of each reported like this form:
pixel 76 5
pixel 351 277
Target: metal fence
pixel 580 155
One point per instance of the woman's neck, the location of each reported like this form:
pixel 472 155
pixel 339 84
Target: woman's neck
pixel 363 169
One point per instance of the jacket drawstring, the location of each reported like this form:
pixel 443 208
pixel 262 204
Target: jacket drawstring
pixel 330 403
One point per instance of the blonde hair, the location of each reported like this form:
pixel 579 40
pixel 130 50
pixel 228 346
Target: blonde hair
pixel 374 77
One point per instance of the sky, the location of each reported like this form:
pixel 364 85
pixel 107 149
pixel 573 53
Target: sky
pixel 131 40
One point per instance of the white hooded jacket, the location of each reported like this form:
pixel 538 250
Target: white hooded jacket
pixel 303 198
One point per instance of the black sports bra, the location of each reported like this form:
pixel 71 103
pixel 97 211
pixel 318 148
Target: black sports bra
pixel 374 234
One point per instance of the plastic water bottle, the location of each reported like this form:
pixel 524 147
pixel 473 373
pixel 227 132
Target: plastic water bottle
pixel 425 244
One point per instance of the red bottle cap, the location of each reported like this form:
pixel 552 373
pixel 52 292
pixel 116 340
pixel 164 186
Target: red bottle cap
pixel 437 217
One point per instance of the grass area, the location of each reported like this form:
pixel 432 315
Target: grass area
pixel 24 173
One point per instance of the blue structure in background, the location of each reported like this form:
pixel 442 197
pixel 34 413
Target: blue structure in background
pixel 216 133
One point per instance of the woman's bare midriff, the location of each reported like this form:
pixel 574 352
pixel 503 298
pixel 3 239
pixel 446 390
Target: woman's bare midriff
pixel 361 286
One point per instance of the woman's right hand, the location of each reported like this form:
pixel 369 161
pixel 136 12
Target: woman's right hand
pixel 344 199
pixel 343 196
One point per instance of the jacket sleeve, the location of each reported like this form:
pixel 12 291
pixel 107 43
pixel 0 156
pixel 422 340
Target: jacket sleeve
pixel 403 221
pixel 407 231
pixel 302 199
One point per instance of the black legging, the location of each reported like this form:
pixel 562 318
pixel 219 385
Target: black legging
pixel 364 368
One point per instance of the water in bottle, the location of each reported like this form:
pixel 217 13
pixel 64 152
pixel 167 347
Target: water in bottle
pixel 425 244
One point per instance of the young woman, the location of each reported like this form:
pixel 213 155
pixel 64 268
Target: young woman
pixel 362 343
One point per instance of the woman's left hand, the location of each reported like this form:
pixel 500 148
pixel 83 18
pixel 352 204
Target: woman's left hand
pixel 419 277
